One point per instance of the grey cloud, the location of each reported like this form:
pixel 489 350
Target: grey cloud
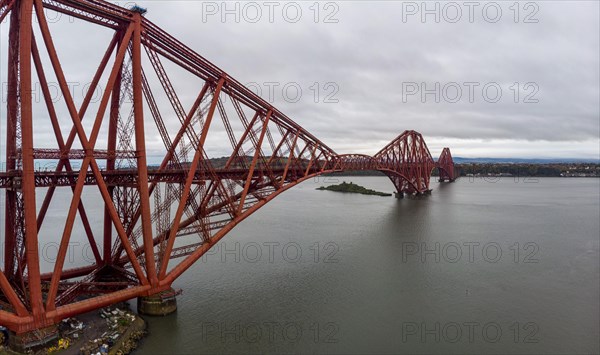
pixel 370 53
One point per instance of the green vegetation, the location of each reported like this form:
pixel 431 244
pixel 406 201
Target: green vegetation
pixel 524 169
pixel 353 188
pixel 507 169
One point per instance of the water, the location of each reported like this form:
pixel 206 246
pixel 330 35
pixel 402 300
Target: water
pixel 517 271
pixel 508 266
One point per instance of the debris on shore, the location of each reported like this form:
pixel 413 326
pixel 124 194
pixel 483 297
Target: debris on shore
pixel 112 330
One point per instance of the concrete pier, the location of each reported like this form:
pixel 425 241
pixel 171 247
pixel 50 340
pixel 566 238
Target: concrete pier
pixel 160 304
pixel 23 343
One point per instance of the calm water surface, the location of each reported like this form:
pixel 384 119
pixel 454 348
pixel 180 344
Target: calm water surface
pixel 477 267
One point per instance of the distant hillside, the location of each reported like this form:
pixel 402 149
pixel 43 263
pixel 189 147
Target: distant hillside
pixel 461 160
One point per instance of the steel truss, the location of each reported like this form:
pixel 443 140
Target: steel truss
pixel 152 214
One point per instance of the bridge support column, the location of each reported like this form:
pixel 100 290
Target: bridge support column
pixel 22 343
pixel 399 194
pixel 160 304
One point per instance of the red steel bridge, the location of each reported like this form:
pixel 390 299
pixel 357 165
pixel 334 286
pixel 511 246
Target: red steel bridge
pixel 156 220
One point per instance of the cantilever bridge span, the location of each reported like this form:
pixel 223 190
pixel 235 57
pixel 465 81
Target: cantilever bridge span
pixel 156 221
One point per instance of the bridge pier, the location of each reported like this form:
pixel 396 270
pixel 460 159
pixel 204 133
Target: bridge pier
pixel 399 194
pixel 160 304
pixel 24 342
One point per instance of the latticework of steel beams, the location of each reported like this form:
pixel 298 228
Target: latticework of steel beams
pixel 152 215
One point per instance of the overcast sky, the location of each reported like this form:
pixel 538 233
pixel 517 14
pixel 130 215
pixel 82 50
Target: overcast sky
pixel 488 79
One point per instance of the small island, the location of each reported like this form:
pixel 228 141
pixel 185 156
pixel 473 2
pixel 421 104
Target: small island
pixel 352 188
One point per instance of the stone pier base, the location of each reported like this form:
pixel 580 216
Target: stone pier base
pixel 160 304
pixel 399 194
pixel 23 343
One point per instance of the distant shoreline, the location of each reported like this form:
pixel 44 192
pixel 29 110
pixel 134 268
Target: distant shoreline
pixel 492 169
pixel 566 170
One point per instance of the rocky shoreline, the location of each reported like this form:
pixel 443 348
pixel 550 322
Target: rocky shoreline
pixel 352 188
pixel 112 330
